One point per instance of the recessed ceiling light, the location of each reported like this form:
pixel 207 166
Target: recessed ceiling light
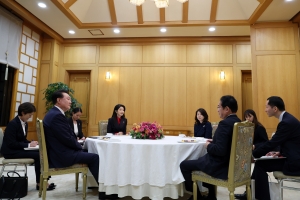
pixel 212 29
pixel 163 30
pixel 71 32
pixel 289 0
pixel 116 31
pixel 42 5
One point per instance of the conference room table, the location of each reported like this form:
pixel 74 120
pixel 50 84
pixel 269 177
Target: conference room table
pixel 143 168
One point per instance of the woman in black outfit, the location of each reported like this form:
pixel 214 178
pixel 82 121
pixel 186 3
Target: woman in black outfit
pixel 260 133
pixel 76 124
pixel 117 123
pixel 202 127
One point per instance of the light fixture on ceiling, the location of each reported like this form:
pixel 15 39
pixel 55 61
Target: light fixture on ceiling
pixel 163 30
pixel 71 32
pixel 137 2
pixel 182 1
pixel 161 3
pixel 108 75
pixel 222 75
pixel 116 30
pixel 42 5
pixel 211 29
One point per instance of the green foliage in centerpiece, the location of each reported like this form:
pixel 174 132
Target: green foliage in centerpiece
pixel 147 130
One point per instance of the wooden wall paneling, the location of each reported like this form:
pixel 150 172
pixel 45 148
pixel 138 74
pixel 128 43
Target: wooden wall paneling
pixel 46 52
pixel 273 81
pixel 197 92
pixel 197 53
pixel 219 88
pixel 220 53
pixel 131 54
pixel 153 54
pixel 130 93
pixel 275 38
pixel 43 84
pixel 107 94
pixel 175 96
pixel 80 54
pixel 152 94
pixel 243 53
pixel 175 53
pixel 110 54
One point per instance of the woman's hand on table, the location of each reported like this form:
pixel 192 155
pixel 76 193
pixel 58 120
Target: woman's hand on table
pixel 120 133
pixel 83 138
pixel 273 153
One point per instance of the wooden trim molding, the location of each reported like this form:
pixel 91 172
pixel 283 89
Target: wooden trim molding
pixel 259 11
pixel 112 12
pixel 69 3
pixel 185 12
pixel 162 17
pixel 139 12
pixel 213 12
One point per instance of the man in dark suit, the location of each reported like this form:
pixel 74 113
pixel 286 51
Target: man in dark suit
pixel 216 162
pixel 15 139
pixel 62 146
pixel 287 136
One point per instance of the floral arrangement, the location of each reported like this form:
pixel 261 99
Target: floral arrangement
pixel 146 130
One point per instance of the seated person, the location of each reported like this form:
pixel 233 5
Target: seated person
pixel 117 123
pixel 216 162
pixel 287 136
pixel 62 146
pixel 15 140
pixel 76 124
pixel 202 127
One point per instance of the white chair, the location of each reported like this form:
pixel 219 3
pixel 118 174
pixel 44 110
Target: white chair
pixel 282 177
pixel 14 162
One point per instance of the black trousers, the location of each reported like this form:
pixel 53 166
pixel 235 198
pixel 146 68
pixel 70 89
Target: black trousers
pixel 186 168
pixel 34 154
pixel 261 177
pixel 92 160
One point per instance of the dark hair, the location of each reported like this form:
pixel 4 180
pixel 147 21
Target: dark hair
pixel 230 102
pixel 276 101
pixel 58 94
pixel 25 108
pixel 249 112
pixel 76 110
pixel 204 113
pixel 114 114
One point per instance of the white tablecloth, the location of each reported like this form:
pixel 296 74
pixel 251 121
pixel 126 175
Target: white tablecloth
pixel 139 168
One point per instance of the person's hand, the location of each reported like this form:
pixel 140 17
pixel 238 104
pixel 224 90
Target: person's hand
pixel 208 142
pixel 77 138
pixel 83 138
pixel 33 143
pixel 253 147
pixel 120 133
pixel 273 153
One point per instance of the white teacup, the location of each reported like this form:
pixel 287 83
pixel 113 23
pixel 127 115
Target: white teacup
pixel 109 134
pixel 181 135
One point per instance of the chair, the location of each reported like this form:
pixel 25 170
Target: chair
pixel 214 128
pixel 102 127
pixel 46 171
pixel 14 162
pixel 239 171
pixel 282 177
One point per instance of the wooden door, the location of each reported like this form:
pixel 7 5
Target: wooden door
pixel 246 91
pixel 80 83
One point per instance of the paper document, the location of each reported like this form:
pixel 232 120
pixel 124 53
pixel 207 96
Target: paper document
pixel 32 148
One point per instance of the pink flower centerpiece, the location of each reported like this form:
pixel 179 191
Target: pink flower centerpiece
pixel 147 130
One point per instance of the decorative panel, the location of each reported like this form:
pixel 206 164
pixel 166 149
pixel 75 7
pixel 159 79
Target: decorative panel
pixel 220 53
pixel 80 54
pixel 197 53
pixel 243 53
pixel 131 54
pixel 281 38
pixel 175 53
pixel 153 54
pixel 110 54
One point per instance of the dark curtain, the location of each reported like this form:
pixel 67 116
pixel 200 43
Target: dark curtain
pixel 6 89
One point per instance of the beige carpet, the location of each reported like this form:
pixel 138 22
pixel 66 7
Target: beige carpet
pixel 66 189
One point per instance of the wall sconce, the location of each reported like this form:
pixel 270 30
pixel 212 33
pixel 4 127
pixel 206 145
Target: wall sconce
pixel 222 75
pixel 108 75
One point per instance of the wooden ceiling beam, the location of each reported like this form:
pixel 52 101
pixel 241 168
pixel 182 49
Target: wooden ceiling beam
pixel 162 15
pixel 296 18
pixel 185 12
pixel 112 12
pixel 213 11
pixel 139 12
pixel 259 11
pixel 69 3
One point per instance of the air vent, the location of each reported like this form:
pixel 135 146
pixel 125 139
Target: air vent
pixel 96 32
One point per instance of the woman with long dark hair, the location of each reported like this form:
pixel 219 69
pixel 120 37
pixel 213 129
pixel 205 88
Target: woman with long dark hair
pixel 117 123
pixel 202 127
pixel 76 124
pixel 260 133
